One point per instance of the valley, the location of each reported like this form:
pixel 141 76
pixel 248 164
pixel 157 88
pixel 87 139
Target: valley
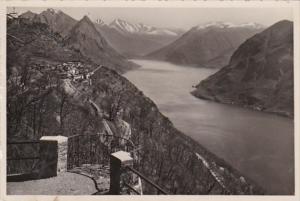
pixel 211 108
pixel 268 162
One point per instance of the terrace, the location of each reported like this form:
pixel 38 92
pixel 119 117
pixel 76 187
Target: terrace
pixel 75 165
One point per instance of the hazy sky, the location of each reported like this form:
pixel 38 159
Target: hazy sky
pixel 177 17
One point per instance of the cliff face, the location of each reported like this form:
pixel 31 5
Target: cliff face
pixel 259 74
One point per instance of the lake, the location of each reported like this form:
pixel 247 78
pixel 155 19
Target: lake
pixel 259 145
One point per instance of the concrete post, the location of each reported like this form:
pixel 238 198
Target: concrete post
pixel 53 155
pixel 118 160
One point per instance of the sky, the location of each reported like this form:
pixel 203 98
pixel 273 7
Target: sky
pixel 184 18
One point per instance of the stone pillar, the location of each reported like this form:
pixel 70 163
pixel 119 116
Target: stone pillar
pixel 53 155
pixel 118 160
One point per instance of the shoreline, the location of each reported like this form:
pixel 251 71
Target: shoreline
pixel 201 95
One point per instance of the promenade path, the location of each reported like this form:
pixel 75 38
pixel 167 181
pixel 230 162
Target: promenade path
pixel 64 184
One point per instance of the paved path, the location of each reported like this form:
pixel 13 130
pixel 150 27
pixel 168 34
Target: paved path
pixel 64 184
pixel 98 173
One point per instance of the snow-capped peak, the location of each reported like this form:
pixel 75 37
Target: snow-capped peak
pixel 52 11
pixel 229 25
pixel 122 25
pixel 139 28
pixel 100 22
pixel 252 25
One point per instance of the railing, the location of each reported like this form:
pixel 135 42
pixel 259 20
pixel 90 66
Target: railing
pixel 124 178
pixel 22 159
pixel 94 149
pixel 159 189
pixel 97 149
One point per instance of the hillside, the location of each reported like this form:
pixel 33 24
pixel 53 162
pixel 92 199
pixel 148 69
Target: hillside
pixel 259 75
pixel 85 39
pixel 209 45
pixel 40 102
pixel 34 42
pixel 168 156
pixel 35 58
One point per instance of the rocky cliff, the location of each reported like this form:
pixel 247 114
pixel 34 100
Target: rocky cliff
pixel 259 74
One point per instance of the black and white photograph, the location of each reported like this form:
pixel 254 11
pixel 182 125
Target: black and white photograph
pixel 150 100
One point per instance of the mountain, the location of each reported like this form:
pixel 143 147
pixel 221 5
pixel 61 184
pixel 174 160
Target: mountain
pixel 126 38
pixel 58 21
pixel 83 37
pixel 28 15
pixel 33 51
pixel 86 39
pixel 127 27
pixel 136 39
pixel 259 75
pixel 208 45
pixel 40 103
pixel 34 42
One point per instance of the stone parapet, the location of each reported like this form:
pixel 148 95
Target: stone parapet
pixel 53 155
pixel 118 161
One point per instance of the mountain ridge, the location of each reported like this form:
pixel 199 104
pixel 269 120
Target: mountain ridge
pixel 84 37
pixel 130 44
pixel 58 21
pixel 259 74
pixel 99 50
pixel 136 40
pixel 221 24
pixel 140 28
pixel 209 46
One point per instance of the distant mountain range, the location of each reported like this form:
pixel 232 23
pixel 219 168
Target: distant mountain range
pixel 209 45
pixel 82 36
pixel 127 38
pixel 259 75
pixel 127 27
pixel 136 39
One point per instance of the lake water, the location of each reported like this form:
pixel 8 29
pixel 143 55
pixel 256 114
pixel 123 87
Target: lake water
pixel 258 144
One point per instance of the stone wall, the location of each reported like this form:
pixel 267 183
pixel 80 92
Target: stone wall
pixel 53 155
